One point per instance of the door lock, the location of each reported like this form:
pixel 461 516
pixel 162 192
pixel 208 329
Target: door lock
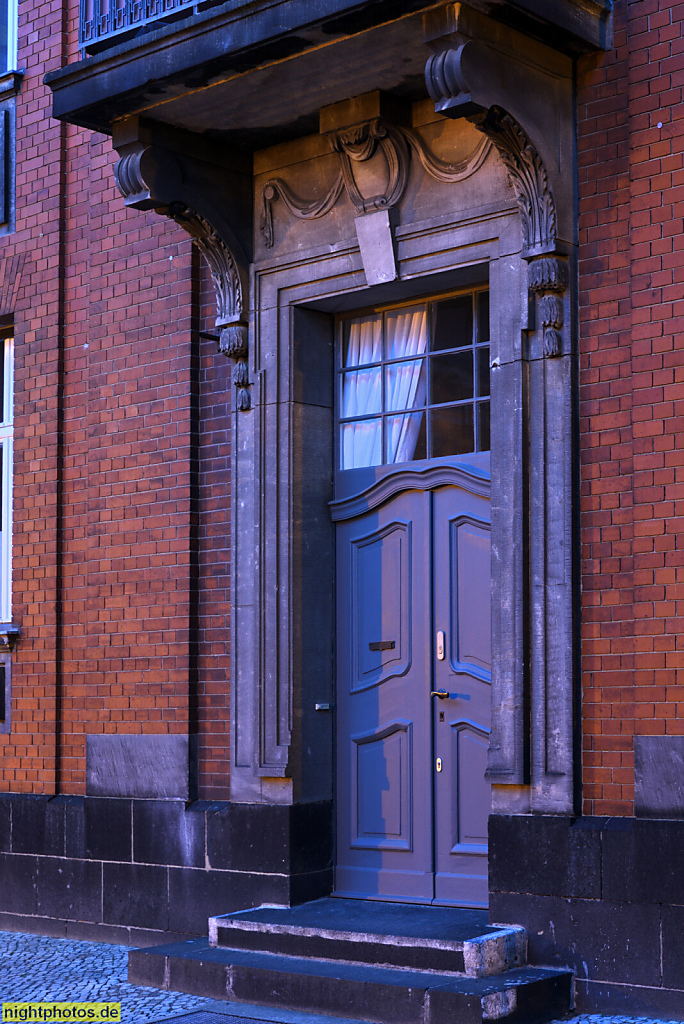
pixel 440 645
pixel 438 765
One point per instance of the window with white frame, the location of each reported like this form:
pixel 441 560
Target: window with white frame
pixel 6 472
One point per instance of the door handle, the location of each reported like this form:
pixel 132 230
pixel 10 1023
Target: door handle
pixel 443 694
pixel 382 645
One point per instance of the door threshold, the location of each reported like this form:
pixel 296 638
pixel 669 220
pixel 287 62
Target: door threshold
pixel 417 901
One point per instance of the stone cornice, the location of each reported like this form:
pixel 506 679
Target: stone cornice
pixel 230 40
pixel 566 24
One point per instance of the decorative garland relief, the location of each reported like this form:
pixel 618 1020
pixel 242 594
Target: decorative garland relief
pixel 357 145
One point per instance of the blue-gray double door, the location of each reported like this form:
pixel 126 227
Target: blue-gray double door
pixel 413 620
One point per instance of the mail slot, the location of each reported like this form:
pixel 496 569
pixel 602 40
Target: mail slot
pixel 382 645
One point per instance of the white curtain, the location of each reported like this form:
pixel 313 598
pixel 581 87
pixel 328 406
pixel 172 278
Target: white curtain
pixel 405 383
pixel 362 394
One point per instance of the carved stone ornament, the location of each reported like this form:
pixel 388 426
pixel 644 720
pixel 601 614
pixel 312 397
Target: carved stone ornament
pixel 129 177
pixel 357 145
pixel 446 80
pixel 131 180
pixel 228 290
pixel 548 278
pixel 528 178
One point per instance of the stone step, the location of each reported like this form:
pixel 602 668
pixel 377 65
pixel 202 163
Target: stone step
pixel 382 995
pixel 424 938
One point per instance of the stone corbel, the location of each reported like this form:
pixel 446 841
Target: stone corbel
pixel 462 77
pixel 456 76
pixel 150 177
pixel 448 32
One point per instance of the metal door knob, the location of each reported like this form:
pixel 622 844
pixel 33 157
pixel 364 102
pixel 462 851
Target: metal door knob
pixel 445 693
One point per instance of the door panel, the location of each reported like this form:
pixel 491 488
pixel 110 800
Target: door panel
pixel 381 606
pixel 462 609
pixel 472 610
pixel 381 780
pixel 384 805
pixel 418 564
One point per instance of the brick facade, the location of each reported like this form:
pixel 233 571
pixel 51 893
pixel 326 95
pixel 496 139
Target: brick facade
pixel 122 494
pixel 631 171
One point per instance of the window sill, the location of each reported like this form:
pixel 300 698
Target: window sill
pixel 9 634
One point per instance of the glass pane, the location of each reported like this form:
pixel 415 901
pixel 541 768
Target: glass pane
pixel 483 439
pixel 452 323
pixel 405 437
pixel 483 371
pixel 361 444
pixel 361 392
pixel 362 341
pixel 483 317
pixel 406 333
pixel 451 431
pixel 451 377
pixel 405 385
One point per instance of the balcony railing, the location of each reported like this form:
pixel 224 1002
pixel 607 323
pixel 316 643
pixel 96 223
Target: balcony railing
pixel 104 22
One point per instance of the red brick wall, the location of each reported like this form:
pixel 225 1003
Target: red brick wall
pixel 122 459
pixel 122 589
pixel 631 140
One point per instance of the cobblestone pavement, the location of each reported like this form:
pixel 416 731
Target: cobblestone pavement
pixel 38 969
pixel 596 1018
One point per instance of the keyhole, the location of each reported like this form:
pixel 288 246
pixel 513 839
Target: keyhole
pixel 441 716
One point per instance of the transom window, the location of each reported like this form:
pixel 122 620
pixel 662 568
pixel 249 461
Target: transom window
pixel 413 382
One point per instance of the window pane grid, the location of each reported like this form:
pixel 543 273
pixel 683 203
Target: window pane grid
pixel 394 412
pixel 416 380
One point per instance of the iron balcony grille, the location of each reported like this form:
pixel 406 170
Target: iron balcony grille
pixel 103 20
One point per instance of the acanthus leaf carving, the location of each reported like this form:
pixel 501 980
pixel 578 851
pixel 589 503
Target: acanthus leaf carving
pixel 548 274
pixel 357 145
pixel 226 279
pixel 548 278
pixel 528 178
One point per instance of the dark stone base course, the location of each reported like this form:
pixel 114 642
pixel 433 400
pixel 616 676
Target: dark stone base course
pixel 598 895
pixel 598 997
pixel 128 867
pixel 82 931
